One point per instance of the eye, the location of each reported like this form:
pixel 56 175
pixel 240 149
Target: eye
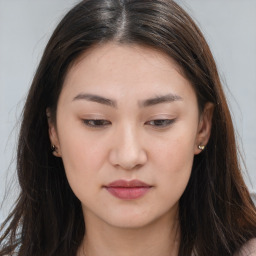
pixel 96 123
pixel 161 123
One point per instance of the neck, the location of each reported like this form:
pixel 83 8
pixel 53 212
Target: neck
pixel 158 238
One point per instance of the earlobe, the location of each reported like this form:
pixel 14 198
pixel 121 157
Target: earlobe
pixel 204 128
pixel 55 146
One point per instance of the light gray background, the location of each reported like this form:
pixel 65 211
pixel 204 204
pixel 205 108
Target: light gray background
pixel 26 25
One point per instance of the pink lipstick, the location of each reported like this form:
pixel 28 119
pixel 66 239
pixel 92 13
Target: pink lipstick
pixel 128 190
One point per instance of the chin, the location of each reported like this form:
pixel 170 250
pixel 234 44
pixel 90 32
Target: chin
pixel 133 220
pixel 130 223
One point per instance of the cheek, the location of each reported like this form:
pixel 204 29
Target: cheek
pixel 174 159
pixel 176 150
pixel 82 158
pixel 79 148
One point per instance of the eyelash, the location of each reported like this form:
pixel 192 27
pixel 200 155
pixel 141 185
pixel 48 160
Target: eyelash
pixel 101 123
pixel 96 123
pixel 161 123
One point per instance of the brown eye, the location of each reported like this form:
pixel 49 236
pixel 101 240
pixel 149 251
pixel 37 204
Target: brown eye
pixel 96 123
pixel 160 122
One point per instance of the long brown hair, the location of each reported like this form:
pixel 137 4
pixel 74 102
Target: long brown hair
pixel 217 215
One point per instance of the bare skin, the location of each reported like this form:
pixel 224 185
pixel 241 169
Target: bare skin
pixel 126 112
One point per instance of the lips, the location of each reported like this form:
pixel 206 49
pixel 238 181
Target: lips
pixel 128 190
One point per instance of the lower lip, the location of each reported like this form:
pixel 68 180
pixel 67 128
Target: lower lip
pixel 128 193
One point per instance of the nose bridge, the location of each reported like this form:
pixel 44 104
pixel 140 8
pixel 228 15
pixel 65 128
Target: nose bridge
pixel 128 150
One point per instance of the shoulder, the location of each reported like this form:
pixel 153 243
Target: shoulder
pixel 248 249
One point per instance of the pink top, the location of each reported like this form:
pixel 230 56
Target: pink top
pixel 249 249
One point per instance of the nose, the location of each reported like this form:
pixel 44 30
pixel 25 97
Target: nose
pixel 127 151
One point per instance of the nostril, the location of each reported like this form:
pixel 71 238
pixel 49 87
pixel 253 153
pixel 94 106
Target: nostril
pixel 128 160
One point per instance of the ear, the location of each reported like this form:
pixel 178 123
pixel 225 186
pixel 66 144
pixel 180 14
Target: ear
pixel 204 127
pixel 53 135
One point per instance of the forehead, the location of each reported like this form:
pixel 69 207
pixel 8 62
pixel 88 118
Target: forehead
pixel 118 69
pixel 111 54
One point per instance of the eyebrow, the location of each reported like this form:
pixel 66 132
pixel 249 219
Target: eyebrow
pixel 160 99
pixel 96 98
pixel 144 103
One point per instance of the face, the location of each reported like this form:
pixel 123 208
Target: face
pixel 127 130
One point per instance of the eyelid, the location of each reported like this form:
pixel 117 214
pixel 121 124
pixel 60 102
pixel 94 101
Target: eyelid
pixel 93 116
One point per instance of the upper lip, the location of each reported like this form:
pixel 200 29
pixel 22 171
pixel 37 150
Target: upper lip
pixel 128 183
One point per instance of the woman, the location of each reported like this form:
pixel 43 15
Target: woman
pixel 127 146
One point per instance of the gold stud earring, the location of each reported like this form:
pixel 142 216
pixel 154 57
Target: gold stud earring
pixel 201 147
pixel 54 148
